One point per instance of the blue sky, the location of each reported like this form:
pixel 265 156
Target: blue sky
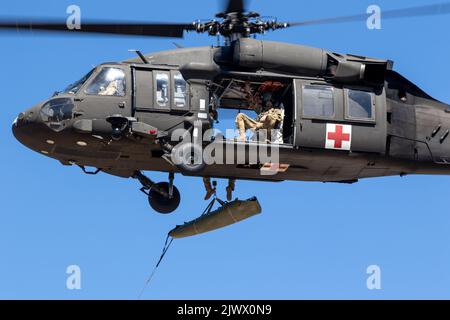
pixel 313 240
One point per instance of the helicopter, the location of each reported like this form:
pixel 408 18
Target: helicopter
pixel 345 117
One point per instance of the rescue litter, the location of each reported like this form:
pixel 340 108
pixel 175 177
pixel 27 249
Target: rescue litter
pixel 227 214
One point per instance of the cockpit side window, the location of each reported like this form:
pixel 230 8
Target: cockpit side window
pixel 109 82
pixel 76 86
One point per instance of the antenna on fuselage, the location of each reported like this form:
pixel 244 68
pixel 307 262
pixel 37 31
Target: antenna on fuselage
pixel 139 53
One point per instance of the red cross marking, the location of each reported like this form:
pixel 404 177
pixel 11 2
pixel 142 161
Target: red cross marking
pixel 339 136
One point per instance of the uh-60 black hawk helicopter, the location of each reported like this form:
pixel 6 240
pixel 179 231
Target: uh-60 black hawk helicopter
pixel 345 117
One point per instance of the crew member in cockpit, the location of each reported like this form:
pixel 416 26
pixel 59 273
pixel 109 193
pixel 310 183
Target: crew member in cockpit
pixel 111 90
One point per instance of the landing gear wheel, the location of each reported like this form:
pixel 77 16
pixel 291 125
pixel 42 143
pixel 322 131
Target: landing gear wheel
pixel 162 204
pixel 188 157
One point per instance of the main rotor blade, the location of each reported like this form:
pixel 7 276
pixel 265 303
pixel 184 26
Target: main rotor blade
pixel 234 6
pixel 119 28
pixel 429 10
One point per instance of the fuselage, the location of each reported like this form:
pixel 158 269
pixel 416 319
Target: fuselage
pixel 404 131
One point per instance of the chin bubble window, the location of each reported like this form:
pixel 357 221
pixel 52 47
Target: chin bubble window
pixel 57 112
pixel 109 82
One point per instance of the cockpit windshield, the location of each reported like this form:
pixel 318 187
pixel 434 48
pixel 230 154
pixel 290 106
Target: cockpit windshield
pixel 75 87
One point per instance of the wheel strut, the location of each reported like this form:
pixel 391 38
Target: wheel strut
pixel 171 178
pixel 163 197
pixel 148 184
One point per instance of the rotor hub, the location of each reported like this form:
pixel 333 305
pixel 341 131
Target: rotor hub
pixel 238 24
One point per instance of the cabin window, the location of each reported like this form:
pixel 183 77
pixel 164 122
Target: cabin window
pixel 318 101
pixel 109 82
pixel 180 91
pixel 360 105
pixel 162 89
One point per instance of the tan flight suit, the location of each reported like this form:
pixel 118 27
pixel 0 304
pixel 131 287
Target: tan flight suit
pixel 266 120
pixel 111 90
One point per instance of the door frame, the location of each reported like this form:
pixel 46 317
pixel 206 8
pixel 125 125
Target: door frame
pixel 154 108
pixel 119 105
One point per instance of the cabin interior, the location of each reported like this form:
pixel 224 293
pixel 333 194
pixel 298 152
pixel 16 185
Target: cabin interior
pixel 235 95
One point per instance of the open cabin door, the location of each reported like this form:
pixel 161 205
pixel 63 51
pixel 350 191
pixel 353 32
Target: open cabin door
pixel 342 119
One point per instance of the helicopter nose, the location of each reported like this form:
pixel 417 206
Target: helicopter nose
pixel 27 117
pixel 24 125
